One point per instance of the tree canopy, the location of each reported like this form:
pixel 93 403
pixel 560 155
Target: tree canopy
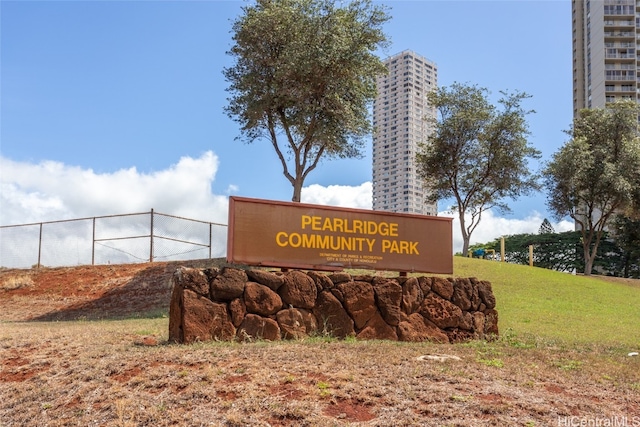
pixel 596 174
pixel 618 255
pixel 546 227
pixel 478 153
pixel 626 232
pixel 304 77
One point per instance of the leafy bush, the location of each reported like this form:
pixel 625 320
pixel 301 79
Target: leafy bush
pixel 563 252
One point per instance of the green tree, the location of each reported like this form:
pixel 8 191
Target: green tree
pixel 626 232
pixel 546 227
pixel 304 77
pixel 596 173
pixel 477 153
pixel 554 251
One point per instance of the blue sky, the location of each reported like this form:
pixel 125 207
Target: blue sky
pixel 116 107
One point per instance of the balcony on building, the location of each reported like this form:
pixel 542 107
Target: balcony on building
pixel 619 35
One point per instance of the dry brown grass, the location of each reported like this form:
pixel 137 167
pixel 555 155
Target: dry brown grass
pixel 99 373
pixel 18 280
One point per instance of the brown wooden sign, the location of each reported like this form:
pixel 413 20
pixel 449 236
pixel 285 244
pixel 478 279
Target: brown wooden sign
pixel 299 235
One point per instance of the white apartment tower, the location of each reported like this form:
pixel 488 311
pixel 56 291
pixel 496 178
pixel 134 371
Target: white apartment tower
pixel 398 119
pixel 605 61
pixel 606 38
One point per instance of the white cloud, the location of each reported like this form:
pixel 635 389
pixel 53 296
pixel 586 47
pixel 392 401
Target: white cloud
pixel 20 206
pixel 492 227
pixel 50 191
pixel 345 196
pixel 232 188
pixel 53 191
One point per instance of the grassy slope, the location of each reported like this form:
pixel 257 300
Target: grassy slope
pixel 560 307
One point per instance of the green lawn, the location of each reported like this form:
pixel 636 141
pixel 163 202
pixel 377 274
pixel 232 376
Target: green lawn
pixel 542 304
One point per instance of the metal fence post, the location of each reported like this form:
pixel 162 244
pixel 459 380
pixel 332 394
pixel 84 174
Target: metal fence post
pixel 93 243
pixel 210 238
pixel 39 246
pixel 151 239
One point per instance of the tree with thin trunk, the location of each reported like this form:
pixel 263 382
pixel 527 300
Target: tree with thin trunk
pixel 596 174
pixel 304 77
pixel 477 153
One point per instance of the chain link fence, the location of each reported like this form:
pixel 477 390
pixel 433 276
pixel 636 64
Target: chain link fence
pixel 114 239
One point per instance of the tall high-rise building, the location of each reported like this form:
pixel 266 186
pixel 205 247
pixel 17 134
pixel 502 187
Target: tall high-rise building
pixel 606 65
pixel 605 62
pixel 398 118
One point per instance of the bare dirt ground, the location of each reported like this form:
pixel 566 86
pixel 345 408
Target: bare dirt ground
pixel 622 280
pixel 61 366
